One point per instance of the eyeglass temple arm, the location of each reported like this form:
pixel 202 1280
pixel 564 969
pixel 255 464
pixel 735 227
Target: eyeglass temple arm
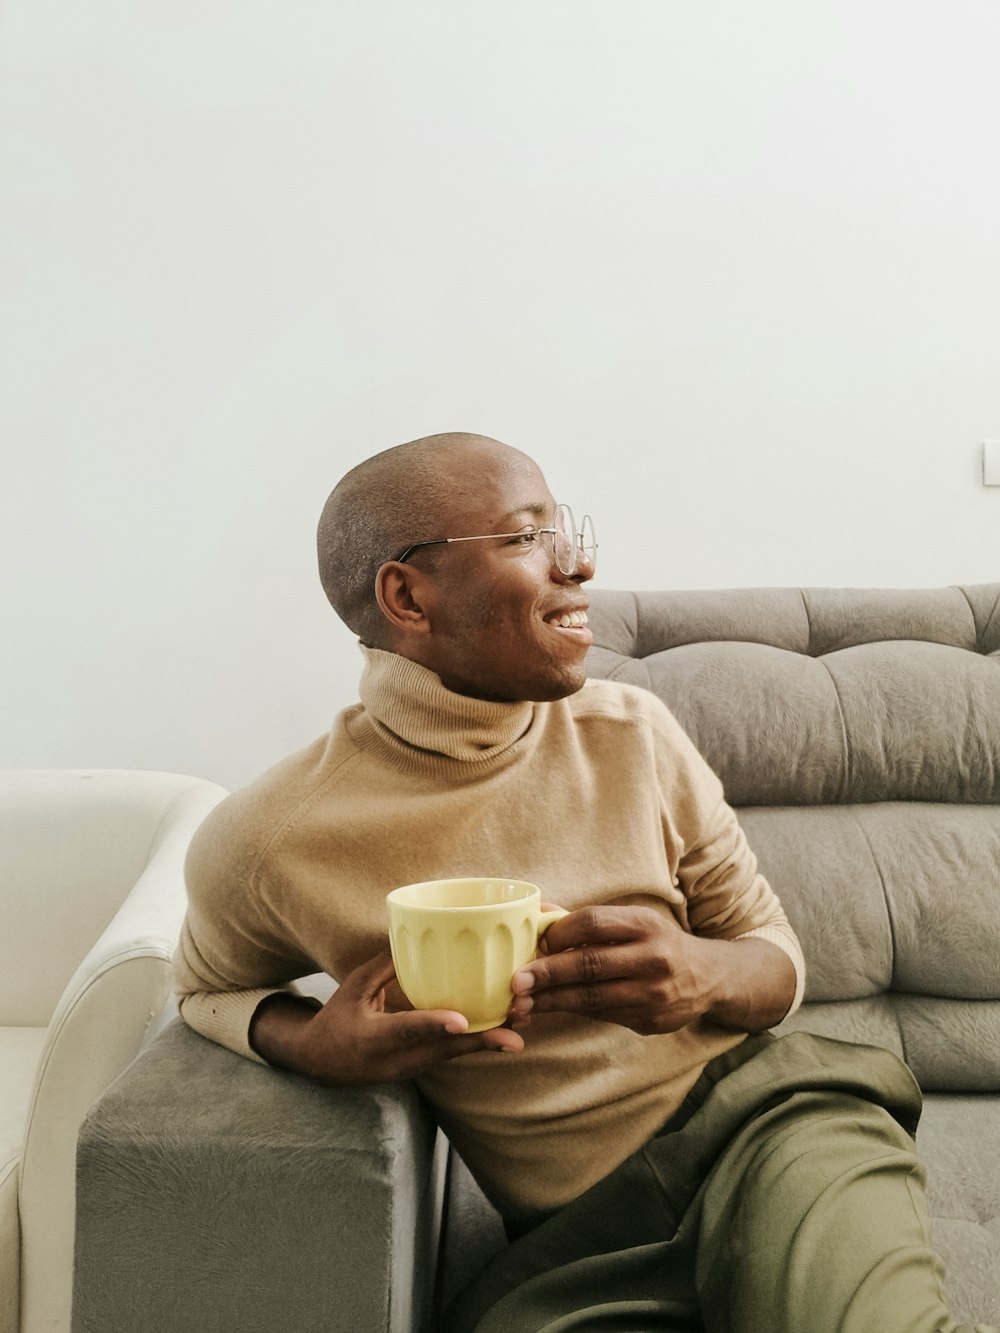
pixel 482 537
pixel 405 555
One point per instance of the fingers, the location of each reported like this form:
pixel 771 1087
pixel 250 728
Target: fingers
pixel 400 1024
pixel 626 965
pixel 599 943
pixel 603 925
pixel 368 1032
pixel 395 998
pixel 612 1001
pixel 416 1027
pixel 365 981
pixel 411 1043
pixel 587 967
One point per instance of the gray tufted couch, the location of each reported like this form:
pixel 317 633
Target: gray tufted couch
pixel 858 733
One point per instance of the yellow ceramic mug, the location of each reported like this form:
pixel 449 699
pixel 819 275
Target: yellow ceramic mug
pixel 456 943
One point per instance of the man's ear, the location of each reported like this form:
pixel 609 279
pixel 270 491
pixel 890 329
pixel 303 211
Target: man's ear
pixel 401 592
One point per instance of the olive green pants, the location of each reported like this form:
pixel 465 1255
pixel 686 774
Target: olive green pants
pixel 785 1196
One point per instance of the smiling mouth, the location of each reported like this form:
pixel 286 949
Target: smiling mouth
pixel 573 625
pixel 568 620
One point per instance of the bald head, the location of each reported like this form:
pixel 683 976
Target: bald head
pixel 407 494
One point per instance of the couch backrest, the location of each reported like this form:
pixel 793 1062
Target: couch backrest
pixel 858 733
pixel 72 844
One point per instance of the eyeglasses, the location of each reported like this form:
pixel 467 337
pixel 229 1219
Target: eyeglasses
pixel 569 543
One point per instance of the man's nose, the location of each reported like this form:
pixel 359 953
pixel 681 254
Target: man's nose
pixel 583 569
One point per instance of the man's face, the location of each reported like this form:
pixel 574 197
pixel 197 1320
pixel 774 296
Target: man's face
pixel 496 605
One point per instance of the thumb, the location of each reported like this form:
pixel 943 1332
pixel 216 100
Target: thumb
pixel 366 981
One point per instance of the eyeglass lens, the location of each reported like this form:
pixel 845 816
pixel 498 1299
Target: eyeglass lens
pixel 569 542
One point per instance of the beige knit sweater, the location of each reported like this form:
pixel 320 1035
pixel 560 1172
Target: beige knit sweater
pixel 597 798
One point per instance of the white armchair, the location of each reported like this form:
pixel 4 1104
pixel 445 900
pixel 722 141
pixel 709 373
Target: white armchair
pixel 92 898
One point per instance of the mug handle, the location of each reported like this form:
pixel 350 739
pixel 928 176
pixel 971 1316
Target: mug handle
pixel 545 919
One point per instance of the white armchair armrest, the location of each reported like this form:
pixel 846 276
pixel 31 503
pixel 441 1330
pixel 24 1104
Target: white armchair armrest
pixel 99 1022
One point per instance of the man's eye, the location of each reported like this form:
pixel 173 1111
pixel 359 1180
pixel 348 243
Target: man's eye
pixel 525 538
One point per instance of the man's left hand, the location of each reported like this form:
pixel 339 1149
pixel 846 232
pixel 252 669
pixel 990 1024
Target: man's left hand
pixel 637 967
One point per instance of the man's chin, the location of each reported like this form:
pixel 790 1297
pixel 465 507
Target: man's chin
pixel 558 681
pixel 534 692
pixel 567 683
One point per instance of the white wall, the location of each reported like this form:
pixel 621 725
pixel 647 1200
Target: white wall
pixel 730 271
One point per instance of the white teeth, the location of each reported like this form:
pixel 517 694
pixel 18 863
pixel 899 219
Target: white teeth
pixel 570 619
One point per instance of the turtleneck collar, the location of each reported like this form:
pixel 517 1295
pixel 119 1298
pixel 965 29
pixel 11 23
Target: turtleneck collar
pixel 419 723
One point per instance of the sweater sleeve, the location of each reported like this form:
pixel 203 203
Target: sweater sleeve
pixel 781 934
pixel 724 893
pixel 231 954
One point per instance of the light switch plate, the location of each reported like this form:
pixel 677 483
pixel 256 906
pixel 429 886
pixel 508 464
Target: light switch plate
pixel 991 462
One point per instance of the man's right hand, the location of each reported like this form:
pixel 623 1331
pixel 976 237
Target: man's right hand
pixel 357 1038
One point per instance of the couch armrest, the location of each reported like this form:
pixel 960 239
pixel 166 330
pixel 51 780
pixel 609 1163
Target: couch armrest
pixel 100 1019
pixel 219 1195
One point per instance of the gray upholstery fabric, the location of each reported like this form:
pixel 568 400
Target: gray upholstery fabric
pixel 959 1140
pixel 800 698
pixel 858 731
pixel 218 1196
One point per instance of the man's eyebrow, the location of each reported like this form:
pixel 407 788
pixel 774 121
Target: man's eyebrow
pixel 537 509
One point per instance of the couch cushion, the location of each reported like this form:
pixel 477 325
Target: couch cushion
pixel 803 697
pixel 858 733
pixel 951 1045
pixel 904 895
pixel 20 1050
pixel 959 1139
pixel 803 620
pixel 10 1246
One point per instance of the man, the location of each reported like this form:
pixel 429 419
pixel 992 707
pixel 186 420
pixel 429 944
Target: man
pixel 664 1169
